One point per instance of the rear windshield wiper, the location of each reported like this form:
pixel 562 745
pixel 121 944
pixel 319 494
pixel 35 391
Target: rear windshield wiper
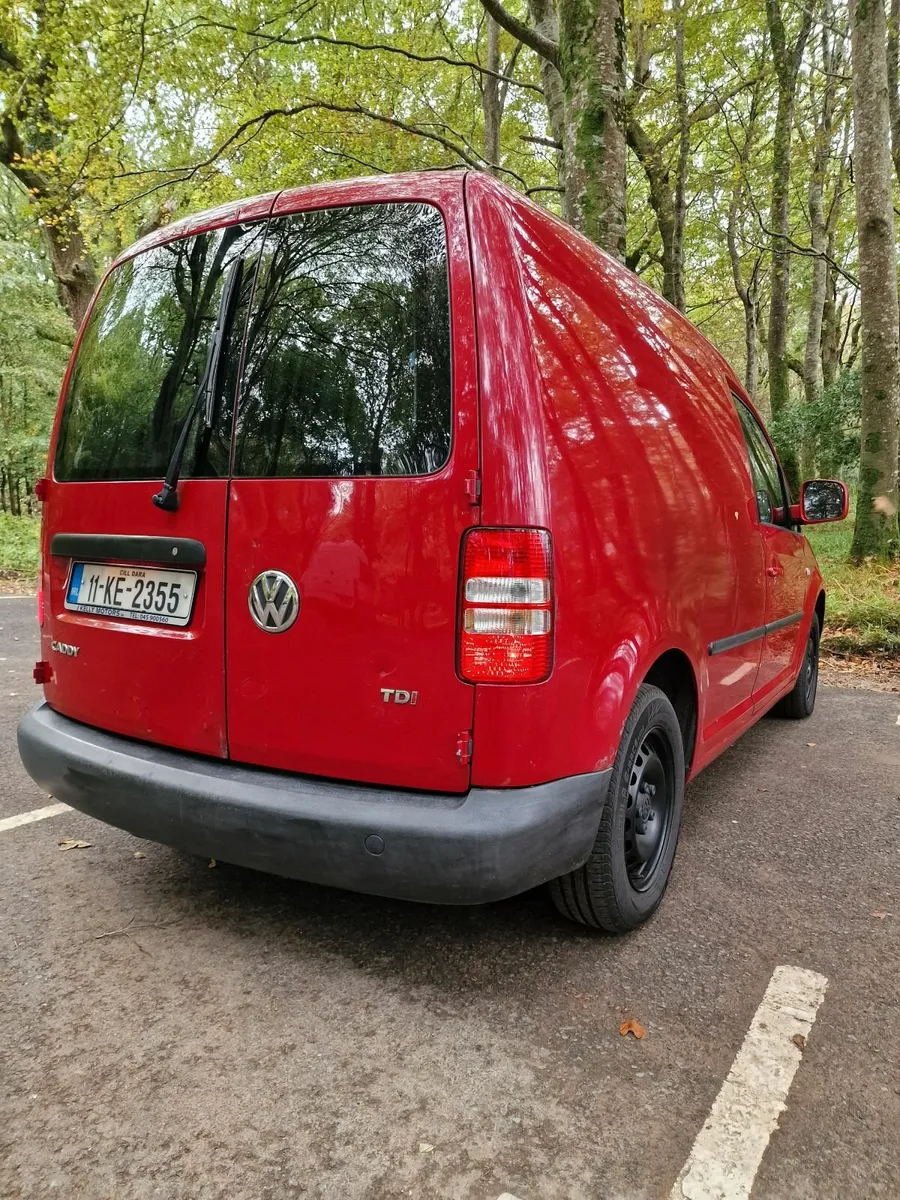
pixel 206 393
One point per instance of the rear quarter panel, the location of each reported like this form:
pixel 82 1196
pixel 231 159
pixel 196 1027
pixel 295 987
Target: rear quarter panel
pixel 603 422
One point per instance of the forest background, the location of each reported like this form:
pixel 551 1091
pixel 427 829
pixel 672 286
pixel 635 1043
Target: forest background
pixel 742 156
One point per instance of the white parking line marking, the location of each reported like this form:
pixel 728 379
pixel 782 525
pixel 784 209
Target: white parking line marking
pixel 729 1148
pixel 36 814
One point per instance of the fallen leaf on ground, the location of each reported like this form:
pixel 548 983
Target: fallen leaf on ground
pixel 425 1147
pixel 212 862
pixel 810 743
pixel 139 854
pixel 635 1028
pixel 73 844
pixel 880 915
pixel 799 1041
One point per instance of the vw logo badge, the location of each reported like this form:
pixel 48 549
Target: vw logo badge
pixel 274 601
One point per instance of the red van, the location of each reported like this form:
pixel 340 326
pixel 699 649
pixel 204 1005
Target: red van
pixel 396 538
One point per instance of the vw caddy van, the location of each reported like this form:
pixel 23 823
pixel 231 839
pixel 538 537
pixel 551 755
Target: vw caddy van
pixel 395 538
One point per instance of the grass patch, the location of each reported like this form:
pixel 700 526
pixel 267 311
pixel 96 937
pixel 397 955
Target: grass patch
pixel 862 609
pixel 19 543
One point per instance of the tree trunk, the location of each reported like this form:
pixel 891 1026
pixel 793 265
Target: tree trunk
pixel 787 64
pixel 662 201
pixel 681 168
pixel 747 291
pixel 490 96
pixel 545 20
pixel 818 227
pixel 893 74
pixel 592 66
pixel 748 298
pixel 590 58
pixel 831 329
pixel 73 271
pixel 876 530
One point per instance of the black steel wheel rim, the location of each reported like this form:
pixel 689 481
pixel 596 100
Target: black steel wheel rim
pixel 649 805
pixel 811 668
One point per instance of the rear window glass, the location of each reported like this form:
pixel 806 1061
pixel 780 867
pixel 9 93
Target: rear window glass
pixel 347 361
pixel 142 359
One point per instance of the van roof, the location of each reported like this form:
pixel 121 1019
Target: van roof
pixel 387 186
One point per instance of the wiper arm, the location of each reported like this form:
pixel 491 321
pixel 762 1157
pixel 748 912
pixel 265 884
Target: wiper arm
pixel 206 393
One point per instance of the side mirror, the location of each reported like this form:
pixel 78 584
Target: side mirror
pixel 821 500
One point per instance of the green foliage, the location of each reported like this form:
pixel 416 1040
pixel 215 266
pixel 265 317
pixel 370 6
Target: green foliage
pixel 19 545
pixel 829 428
pixel 35 338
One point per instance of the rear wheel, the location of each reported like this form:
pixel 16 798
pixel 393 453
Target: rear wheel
pixel 623 881
pixel 800 702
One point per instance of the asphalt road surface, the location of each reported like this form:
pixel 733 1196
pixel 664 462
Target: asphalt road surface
pixel 172 1030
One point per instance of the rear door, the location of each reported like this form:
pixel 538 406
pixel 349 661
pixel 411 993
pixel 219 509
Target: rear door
pixel 134 628
pixel 355 435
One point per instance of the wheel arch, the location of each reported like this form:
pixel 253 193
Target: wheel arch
pixel 673 673
pixel 820 609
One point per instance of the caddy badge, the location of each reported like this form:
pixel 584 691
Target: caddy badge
pixel 65 648
pixel 274 601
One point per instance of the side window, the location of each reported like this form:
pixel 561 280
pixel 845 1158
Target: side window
pixel 772 501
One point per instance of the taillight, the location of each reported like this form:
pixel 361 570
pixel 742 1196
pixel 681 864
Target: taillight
pixel 506 620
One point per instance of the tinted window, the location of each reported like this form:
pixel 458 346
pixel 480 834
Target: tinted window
pixel 347 367
pixel 771 498
pixel 142 358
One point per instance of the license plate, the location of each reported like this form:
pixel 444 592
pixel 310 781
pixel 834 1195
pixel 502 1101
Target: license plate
pixel 132 593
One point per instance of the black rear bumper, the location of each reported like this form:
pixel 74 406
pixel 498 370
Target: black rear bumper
pixel 447 849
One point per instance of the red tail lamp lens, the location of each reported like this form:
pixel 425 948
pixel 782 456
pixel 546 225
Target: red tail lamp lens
pixel 506 622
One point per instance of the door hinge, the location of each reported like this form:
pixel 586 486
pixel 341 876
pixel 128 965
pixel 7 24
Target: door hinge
pixel 464 747
pixel 473 487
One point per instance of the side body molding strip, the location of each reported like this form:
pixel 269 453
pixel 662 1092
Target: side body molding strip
pixel 751 635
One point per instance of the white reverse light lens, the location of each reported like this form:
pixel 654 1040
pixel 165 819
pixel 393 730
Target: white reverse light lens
pixel 486 590
pixel 521 622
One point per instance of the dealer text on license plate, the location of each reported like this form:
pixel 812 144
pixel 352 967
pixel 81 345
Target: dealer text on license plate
pixel 132 593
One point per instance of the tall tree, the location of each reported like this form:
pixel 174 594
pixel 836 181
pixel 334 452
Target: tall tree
pixel 787 56
pixel 745 266
pixel 590 58
pixel 893 73
pixel 829 65
pixel 494 85
pixel 545 19
pixel 876 530
pixel 684 151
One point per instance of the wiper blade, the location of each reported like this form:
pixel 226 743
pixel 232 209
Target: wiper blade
pixel 205 396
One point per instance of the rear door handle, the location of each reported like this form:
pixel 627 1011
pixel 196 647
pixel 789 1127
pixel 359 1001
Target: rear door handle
pixel 775 570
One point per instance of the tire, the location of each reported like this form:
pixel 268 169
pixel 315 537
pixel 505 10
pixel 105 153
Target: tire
pixel 623 881
pixel 799 703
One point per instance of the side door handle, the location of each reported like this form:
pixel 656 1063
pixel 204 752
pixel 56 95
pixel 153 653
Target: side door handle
pixel 775 570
